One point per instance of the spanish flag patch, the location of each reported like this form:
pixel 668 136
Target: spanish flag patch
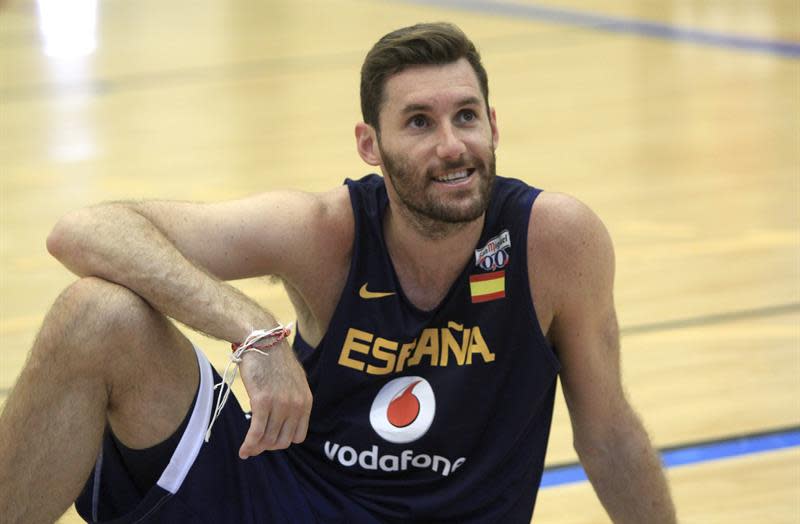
pixel 488 286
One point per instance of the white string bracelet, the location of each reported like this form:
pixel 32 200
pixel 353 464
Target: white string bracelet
pixel 258 341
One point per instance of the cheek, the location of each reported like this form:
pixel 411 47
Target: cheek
pixel 413 158
pixel 416 150
pixel 483 142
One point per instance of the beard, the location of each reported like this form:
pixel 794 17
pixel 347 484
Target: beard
pixel 432 214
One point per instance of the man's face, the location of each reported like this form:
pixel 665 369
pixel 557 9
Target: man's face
pixel 437 143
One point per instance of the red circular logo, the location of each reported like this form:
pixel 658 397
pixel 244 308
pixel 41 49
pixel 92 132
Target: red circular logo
pixel 403 409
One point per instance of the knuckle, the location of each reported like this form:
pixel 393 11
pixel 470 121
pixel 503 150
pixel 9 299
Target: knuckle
pixel 261 399
pixel 298 402
pixel 282 403
pixel 303 400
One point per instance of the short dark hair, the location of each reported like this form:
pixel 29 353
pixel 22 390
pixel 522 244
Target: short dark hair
pixel 421 44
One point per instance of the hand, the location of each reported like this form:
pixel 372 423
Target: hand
pixel 280 400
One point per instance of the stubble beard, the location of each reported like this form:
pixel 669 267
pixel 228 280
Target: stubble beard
pixel 431 217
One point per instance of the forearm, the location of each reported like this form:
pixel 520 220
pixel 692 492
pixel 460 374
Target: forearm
pixel 627 475
pixel 116 243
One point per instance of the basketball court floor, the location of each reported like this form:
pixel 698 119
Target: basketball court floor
pixel 677 121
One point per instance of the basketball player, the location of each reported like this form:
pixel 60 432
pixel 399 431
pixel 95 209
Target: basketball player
pixel 436 306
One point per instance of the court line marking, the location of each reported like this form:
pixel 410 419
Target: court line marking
pixel 623 25
pixel 694 453
pixel 713 318
pixel 560 16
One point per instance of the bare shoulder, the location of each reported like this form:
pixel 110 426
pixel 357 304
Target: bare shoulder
pixel 570 255
pixel 333 224
pixel 316 274
pixel 563 225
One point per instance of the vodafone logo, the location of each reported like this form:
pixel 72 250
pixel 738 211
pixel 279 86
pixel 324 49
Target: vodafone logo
pixel 403 409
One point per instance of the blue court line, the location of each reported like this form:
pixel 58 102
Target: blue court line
pixel 615 24
pixel 692 454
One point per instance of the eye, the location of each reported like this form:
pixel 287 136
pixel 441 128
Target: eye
pixel 418 122
pixel 467 115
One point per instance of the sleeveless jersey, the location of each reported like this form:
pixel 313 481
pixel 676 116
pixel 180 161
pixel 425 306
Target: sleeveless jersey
pixel 431 416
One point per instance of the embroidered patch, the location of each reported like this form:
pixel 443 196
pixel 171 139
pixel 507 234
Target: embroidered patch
pixel 494 255
pixel 487 286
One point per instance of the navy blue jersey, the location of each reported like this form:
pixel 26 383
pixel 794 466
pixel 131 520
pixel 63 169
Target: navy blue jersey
pixel 438 415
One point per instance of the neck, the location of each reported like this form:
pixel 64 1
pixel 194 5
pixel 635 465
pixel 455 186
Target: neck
pixel 428 256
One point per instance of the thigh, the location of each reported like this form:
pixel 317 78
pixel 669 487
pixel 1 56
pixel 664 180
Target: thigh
pixel 102 332
pixel 153 378
pixel 204 481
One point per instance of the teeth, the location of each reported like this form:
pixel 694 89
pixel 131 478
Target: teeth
pixel 458 175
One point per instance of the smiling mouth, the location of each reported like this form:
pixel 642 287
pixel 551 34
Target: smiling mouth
pixel 456 176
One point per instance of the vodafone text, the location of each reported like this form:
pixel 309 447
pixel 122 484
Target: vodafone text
pixel 371 459
pixel 433 345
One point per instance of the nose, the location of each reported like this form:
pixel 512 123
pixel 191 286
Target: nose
pixel 450 146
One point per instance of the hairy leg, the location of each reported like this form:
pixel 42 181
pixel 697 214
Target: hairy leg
pixel 103 355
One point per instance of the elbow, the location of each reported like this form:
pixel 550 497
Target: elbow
pixel 59 238
pixel 603 445
pixel 599 442
pixel 64 241
pixel 590 450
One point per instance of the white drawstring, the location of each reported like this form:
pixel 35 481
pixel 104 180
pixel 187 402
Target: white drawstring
pixel 257 341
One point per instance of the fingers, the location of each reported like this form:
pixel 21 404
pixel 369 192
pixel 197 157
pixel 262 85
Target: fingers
pixel 302 427
pixel 284 439
pixel 278 418
pixel 279 398
pixel 250 446
pixel 276 424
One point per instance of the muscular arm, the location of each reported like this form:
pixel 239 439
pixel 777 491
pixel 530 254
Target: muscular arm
pixel 118 243
pixel 176 255
pixel 575 256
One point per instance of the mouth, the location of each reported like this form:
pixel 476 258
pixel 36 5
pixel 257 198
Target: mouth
pixel 455 178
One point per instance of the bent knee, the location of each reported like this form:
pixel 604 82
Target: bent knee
pixel 95 298
pixel 93 309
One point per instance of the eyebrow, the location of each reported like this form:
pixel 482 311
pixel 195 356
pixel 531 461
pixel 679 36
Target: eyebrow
pixel 414 108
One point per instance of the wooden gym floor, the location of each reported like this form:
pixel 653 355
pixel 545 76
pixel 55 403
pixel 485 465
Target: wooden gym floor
pixel 677 121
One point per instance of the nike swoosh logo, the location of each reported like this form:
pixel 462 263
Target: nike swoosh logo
pixel 365 294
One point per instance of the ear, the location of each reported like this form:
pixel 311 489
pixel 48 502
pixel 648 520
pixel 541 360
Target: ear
pixel 493 124
pixel 367 144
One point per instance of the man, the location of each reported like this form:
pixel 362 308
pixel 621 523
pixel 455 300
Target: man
pixel 432 373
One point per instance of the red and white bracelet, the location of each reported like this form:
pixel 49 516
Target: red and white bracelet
pixel 259 341
pixel 262 339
